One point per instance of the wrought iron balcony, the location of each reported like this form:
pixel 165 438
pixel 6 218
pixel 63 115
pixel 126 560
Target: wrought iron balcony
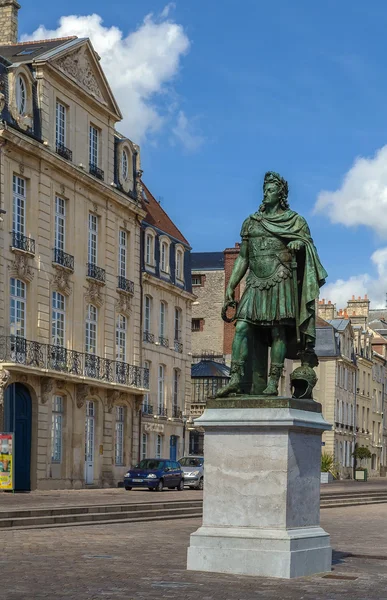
pixel 148 337
pixel 64 152
pixel 22 242
pixel 95 272
pixel 63 259
pixel 125 285
pixel 177 413
pixel 96 171
pixel 163 341
pixel 178 346
pixel 18 350
pixel 147 409
pixel 162 411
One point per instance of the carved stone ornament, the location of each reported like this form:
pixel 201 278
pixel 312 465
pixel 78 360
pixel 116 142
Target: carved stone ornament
pixel 113 396
pixel 46 387
pixel 61 281
pixel 21 268
pixel 2 101
pixel 124 303
pixel 94 295
pixel 5 377
pixel 139 187
pixel 78 67
pixel 60 384
pixel 82 391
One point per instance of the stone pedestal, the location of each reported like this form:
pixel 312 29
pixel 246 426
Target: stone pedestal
pixel 261 511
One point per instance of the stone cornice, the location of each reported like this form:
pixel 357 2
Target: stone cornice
pixel 169 287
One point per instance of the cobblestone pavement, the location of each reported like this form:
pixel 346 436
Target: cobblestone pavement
pixel 147 561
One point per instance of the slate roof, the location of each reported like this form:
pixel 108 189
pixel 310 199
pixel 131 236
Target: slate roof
pixel 210 368
pixel 157 217
pixel 207 261
pixel 12 52
pixel 339 324
pixel 326 342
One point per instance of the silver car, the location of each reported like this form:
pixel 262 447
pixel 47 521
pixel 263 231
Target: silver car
pixel 193 471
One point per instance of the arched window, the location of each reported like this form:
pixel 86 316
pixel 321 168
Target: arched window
pixel 160 390
pixel 163 324
pixel 58 319
pixel 159 446
pixel 119 436
pixel 18 307
pixel 176 392
pixel 178 323
pixel 21 94
pixel 121 338
pixel 125 164
pixel 164 257
pixel 179 264
pixel 56 429
pixel 91 329
pixel 145 403
pixel 147 314
pixel 144 446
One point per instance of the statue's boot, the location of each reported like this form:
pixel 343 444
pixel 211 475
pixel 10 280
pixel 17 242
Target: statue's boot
pixel 274 377
pixel 234 385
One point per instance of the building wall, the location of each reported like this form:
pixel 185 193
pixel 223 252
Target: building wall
pixel 208 307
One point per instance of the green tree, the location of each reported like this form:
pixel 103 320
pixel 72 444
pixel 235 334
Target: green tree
pixel 361 453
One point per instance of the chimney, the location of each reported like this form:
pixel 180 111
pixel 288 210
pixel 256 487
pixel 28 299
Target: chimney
pixel 8 22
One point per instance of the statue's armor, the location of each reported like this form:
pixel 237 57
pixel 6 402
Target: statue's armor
pixel 269 258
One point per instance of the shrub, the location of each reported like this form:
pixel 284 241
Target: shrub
pixel 328 464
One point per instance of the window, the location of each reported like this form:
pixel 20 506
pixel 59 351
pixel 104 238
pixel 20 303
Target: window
pixel 21 95
pixel 18 308
pixel 196 325
pixel 56 429
pixel 163 314
pixel 164 266
pixel 93 146
pixel 176 376
pixel 93 239
pixel 122 253
pixel 144 446
pixel 121 338
pixel 159 446
pixel 60 124
pixel 149 249
pixel 125 165
pixel 160 389
pixel 60 222
pixel 58 319
pixel 147 314
pixel 177 325
pixel 119 437
pixel 91 330
pixel 179 265
pixel 197 280
pixel 19 205
pixel 145 402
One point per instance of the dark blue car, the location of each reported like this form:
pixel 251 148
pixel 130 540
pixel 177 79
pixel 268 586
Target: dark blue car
pixel 155 474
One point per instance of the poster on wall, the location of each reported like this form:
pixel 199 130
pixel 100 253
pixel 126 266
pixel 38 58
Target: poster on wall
pixel 6 461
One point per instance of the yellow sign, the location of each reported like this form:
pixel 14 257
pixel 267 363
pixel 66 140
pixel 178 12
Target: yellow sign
pixel 6 461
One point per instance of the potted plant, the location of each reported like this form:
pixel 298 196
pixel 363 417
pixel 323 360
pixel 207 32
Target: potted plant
pixel 328 468
pixel 361 453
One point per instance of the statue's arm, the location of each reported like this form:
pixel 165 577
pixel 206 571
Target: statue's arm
pixel 239 271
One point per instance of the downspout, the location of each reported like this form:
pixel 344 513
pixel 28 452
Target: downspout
pixel 141 341
pixel 354 421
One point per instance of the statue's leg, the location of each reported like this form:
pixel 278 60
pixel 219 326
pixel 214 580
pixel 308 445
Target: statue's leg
pixel 239 354
pixel 260 356
pixel 277 359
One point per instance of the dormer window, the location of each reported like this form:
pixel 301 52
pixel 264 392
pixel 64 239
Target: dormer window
pixel 164 256
pixel 179 264
pixel 21 95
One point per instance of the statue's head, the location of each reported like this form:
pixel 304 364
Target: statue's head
pixel 275 191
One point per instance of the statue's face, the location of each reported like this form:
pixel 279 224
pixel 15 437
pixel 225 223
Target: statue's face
pixel 270 194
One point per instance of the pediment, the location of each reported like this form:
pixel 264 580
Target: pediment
pixel 82 67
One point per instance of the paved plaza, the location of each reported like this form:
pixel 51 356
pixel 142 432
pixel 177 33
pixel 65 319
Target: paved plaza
pixel 147 560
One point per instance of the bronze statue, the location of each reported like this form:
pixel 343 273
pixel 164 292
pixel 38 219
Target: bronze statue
pixel 277 308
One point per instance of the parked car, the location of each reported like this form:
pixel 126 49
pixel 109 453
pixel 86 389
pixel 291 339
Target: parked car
pixel 193 471
pixel 155 474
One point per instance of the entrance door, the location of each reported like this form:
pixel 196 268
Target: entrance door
pixel 18 420
pixel 89 442
pixel 172 447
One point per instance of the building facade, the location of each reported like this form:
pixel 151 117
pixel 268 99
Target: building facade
pixel 166 330
pixel 72 375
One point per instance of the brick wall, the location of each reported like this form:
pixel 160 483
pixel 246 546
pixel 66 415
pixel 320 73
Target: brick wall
pixel 230 256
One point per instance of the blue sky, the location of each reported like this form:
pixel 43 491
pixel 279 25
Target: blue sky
pixel 296 87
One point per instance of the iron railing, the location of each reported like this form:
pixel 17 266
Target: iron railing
pixel 177 413
pixel 163 341
pixel 162 411
pixel 63 259
pixel 178 346
pixel 64 152
pixel 96 171
pixel 95 272
pixel 18 350
pixel 147 409
pixel 148 337
pixel 125 285
pixel 22 242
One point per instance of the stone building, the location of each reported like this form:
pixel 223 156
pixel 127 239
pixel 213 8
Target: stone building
pixel 166 327
pixel 72 376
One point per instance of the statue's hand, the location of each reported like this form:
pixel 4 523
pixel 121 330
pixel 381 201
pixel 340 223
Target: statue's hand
pixel 296 245
pixel 228 302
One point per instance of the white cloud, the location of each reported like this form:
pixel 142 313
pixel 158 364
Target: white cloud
pixel 185 133
pixel 362 197
pixel 140 67
pixel 340 291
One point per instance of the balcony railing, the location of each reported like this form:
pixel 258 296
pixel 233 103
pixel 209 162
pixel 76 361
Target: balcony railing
pixel 22 242
pixel 18 350
pixel 147 409
pixel 178 346
pixel 148 337
pixel 63 259
pixel 125 285
pixel 176 412
pixel 162 411
pixel 64 152
pixel 163 341
pixel 95 272
pixel 96 171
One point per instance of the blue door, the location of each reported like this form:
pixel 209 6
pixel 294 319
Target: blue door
pixel 18 420
pixel 172 447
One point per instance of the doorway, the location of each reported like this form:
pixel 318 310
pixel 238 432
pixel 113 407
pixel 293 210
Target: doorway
pixel 173 447
pixel 89 442
pixel 18 420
